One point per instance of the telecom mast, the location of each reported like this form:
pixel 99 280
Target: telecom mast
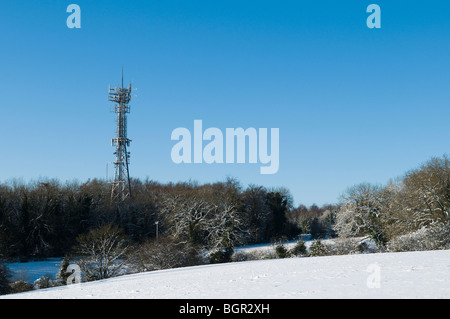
pixel 121 185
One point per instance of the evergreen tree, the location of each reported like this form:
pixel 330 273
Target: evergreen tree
pixel 5 275
pixel 317 249
pixel 62 273
pixel 299 249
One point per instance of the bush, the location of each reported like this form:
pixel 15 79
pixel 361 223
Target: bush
pixel 318 249
pixel 221 256
pixel 299 249
pixel 434 236
pixel 281 251
pixel 46 281
pixel 257 254
pixel 344 246
pixel 164 253
pixel 20 286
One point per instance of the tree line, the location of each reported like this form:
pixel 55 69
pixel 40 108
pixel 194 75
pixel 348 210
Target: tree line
pixel 410 213
pixel 44 218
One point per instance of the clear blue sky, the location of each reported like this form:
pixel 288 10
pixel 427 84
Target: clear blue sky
pixel 353 104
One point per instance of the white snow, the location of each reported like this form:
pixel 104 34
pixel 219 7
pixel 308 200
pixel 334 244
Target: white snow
pixel 269 248
pixel 423 274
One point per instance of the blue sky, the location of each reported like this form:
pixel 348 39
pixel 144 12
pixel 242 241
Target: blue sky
pixel 353 104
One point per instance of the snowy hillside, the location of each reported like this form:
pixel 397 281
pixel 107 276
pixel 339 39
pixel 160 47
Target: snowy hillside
pixel 384 275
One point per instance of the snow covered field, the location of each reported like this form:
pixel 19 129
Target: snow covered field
pixel 423 274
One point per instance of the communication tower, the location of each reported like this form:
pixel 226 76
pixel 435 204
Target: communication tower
pixel 121 188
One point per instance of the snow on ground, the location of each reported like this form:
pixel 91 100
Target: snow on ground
pixel 383 275
pixel 269 248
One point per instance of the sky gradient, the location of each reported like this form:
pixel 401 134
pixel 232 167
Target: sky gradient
pixel 352 104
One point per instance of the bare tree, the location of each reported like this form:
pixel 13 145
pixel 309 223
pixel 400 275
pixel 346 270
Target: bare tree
pixel 420 198
pixel 205 216
pixel 427 191
pixel 102 252
pixel 184 216
pixel 163 253
pixel 224 229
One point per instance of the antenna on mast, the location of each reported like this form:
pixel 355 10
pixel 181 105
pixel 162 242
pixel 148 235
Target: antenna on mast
pixel 121 188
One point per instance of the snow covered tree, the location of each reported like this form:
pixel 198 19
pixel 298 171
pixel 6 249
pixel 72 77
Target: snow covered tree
pixel 430 237
pixel 362 213
pixel 185 216
pixel 102 252
pixel 317 248
pixel 205 216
